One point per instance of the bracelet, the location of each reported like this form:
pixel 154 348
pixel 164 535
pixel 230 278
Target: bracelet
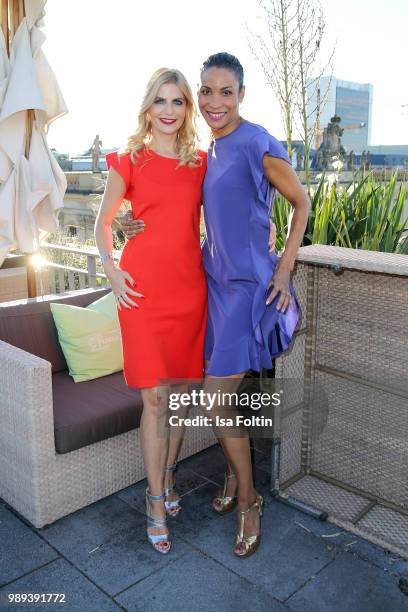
pixel 106 257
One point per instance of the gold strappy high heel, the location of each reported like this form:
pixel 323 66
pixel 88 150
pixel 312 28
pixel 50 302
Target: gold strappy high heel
pixel 251 543
pixel 227 503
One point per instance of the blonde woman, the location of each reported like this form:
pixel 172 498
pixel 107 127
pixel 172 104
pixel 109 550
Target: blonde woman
pixel 160 285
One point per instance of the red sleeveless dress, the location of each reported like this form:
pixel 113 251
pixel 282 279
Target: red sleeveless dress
pixel 164 337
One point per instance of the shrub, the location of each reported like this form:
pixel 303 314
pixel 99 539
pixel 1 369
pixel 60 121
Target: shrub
pixel 365 214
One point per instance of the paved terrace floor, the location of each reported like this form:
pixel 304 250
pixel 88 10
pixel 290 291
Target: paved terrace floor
pixel 100 558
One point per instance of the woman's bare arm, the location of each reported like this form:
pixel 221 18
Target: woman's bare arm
pixel 283 177
pixel 112 199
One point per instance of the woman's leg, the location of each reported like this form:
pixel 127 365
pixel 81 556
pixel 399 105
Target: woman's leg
pixel 174 449
pixel 175 442
pixel 155 443
pixel 231 488
pixel 237 453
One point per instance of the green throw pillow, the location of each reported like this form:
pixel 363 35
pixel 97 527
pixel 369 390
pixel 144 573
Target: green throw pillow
pixel 90 338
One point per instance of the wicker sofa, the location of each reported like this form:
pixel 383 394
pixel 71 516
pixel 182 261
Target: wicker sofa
pixel 63 445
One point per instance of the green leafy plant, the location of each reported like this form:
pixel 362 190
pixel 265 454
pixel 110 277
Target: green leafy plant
pixel 365 214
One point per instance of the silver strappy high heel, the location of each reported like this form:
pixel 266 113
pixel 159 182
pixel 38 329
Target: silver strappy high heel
pixel 172 507
pixel 160 542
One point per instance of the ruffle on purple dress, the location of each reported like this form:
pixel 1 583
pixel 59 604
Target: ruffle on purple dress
pixel 242 332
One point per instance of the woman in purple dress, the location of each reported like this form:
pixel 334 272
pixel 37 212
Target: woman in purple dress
pixel 246 327
pixel 252 308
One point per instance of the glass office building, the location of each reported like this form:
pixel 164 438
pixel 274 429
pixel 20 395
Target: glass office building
pixel 352 102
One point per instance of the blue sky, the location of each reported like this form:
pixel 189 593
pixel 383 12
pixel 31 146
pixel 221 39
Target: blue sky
pixel 103 52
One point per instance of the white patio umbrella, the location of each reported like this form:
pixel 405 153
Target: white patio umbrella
pixel 32 185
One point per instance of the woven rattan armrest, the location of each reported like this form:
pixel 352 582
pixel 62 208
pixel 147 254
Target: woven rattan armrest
pixel 26 409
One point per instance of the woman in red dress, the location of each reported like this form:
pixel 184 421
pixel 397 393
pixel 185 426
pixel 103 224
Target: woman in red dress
pixel 159 286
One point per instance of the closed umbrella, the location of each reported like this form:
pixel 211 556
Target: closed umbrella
pixel 32 185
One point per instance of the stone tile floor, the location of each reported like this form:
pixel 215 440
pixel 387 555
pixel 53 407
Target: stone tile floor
pixel 100 558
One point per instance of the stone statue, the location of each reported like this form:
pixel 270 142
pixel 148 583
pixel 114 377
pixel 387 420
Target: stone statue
pixel 95 151
pixel 331 145
pixel 350 160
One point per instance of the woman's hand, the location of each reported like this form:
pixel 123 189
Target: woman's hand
pixel 131 227
pixel 272 237
pixel 280 284
pixel 121 290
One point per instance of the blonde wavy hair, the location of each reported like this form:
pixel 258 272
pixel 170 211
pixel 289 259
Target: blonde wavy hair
pixel 187 143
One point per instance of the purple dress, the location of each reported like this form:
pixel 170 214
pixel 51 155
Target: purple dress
pixel 242 332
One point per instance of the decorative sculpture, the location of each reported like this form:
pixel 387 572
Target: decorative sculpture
pixel 95 151
pixel 331 146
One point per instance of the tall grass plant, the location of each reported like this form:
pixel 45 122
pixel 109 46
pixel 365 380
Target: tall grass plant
pixel 366 213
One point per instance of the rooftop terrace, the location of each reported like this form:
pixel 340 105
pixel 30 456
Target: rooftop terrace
pixel 100 559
